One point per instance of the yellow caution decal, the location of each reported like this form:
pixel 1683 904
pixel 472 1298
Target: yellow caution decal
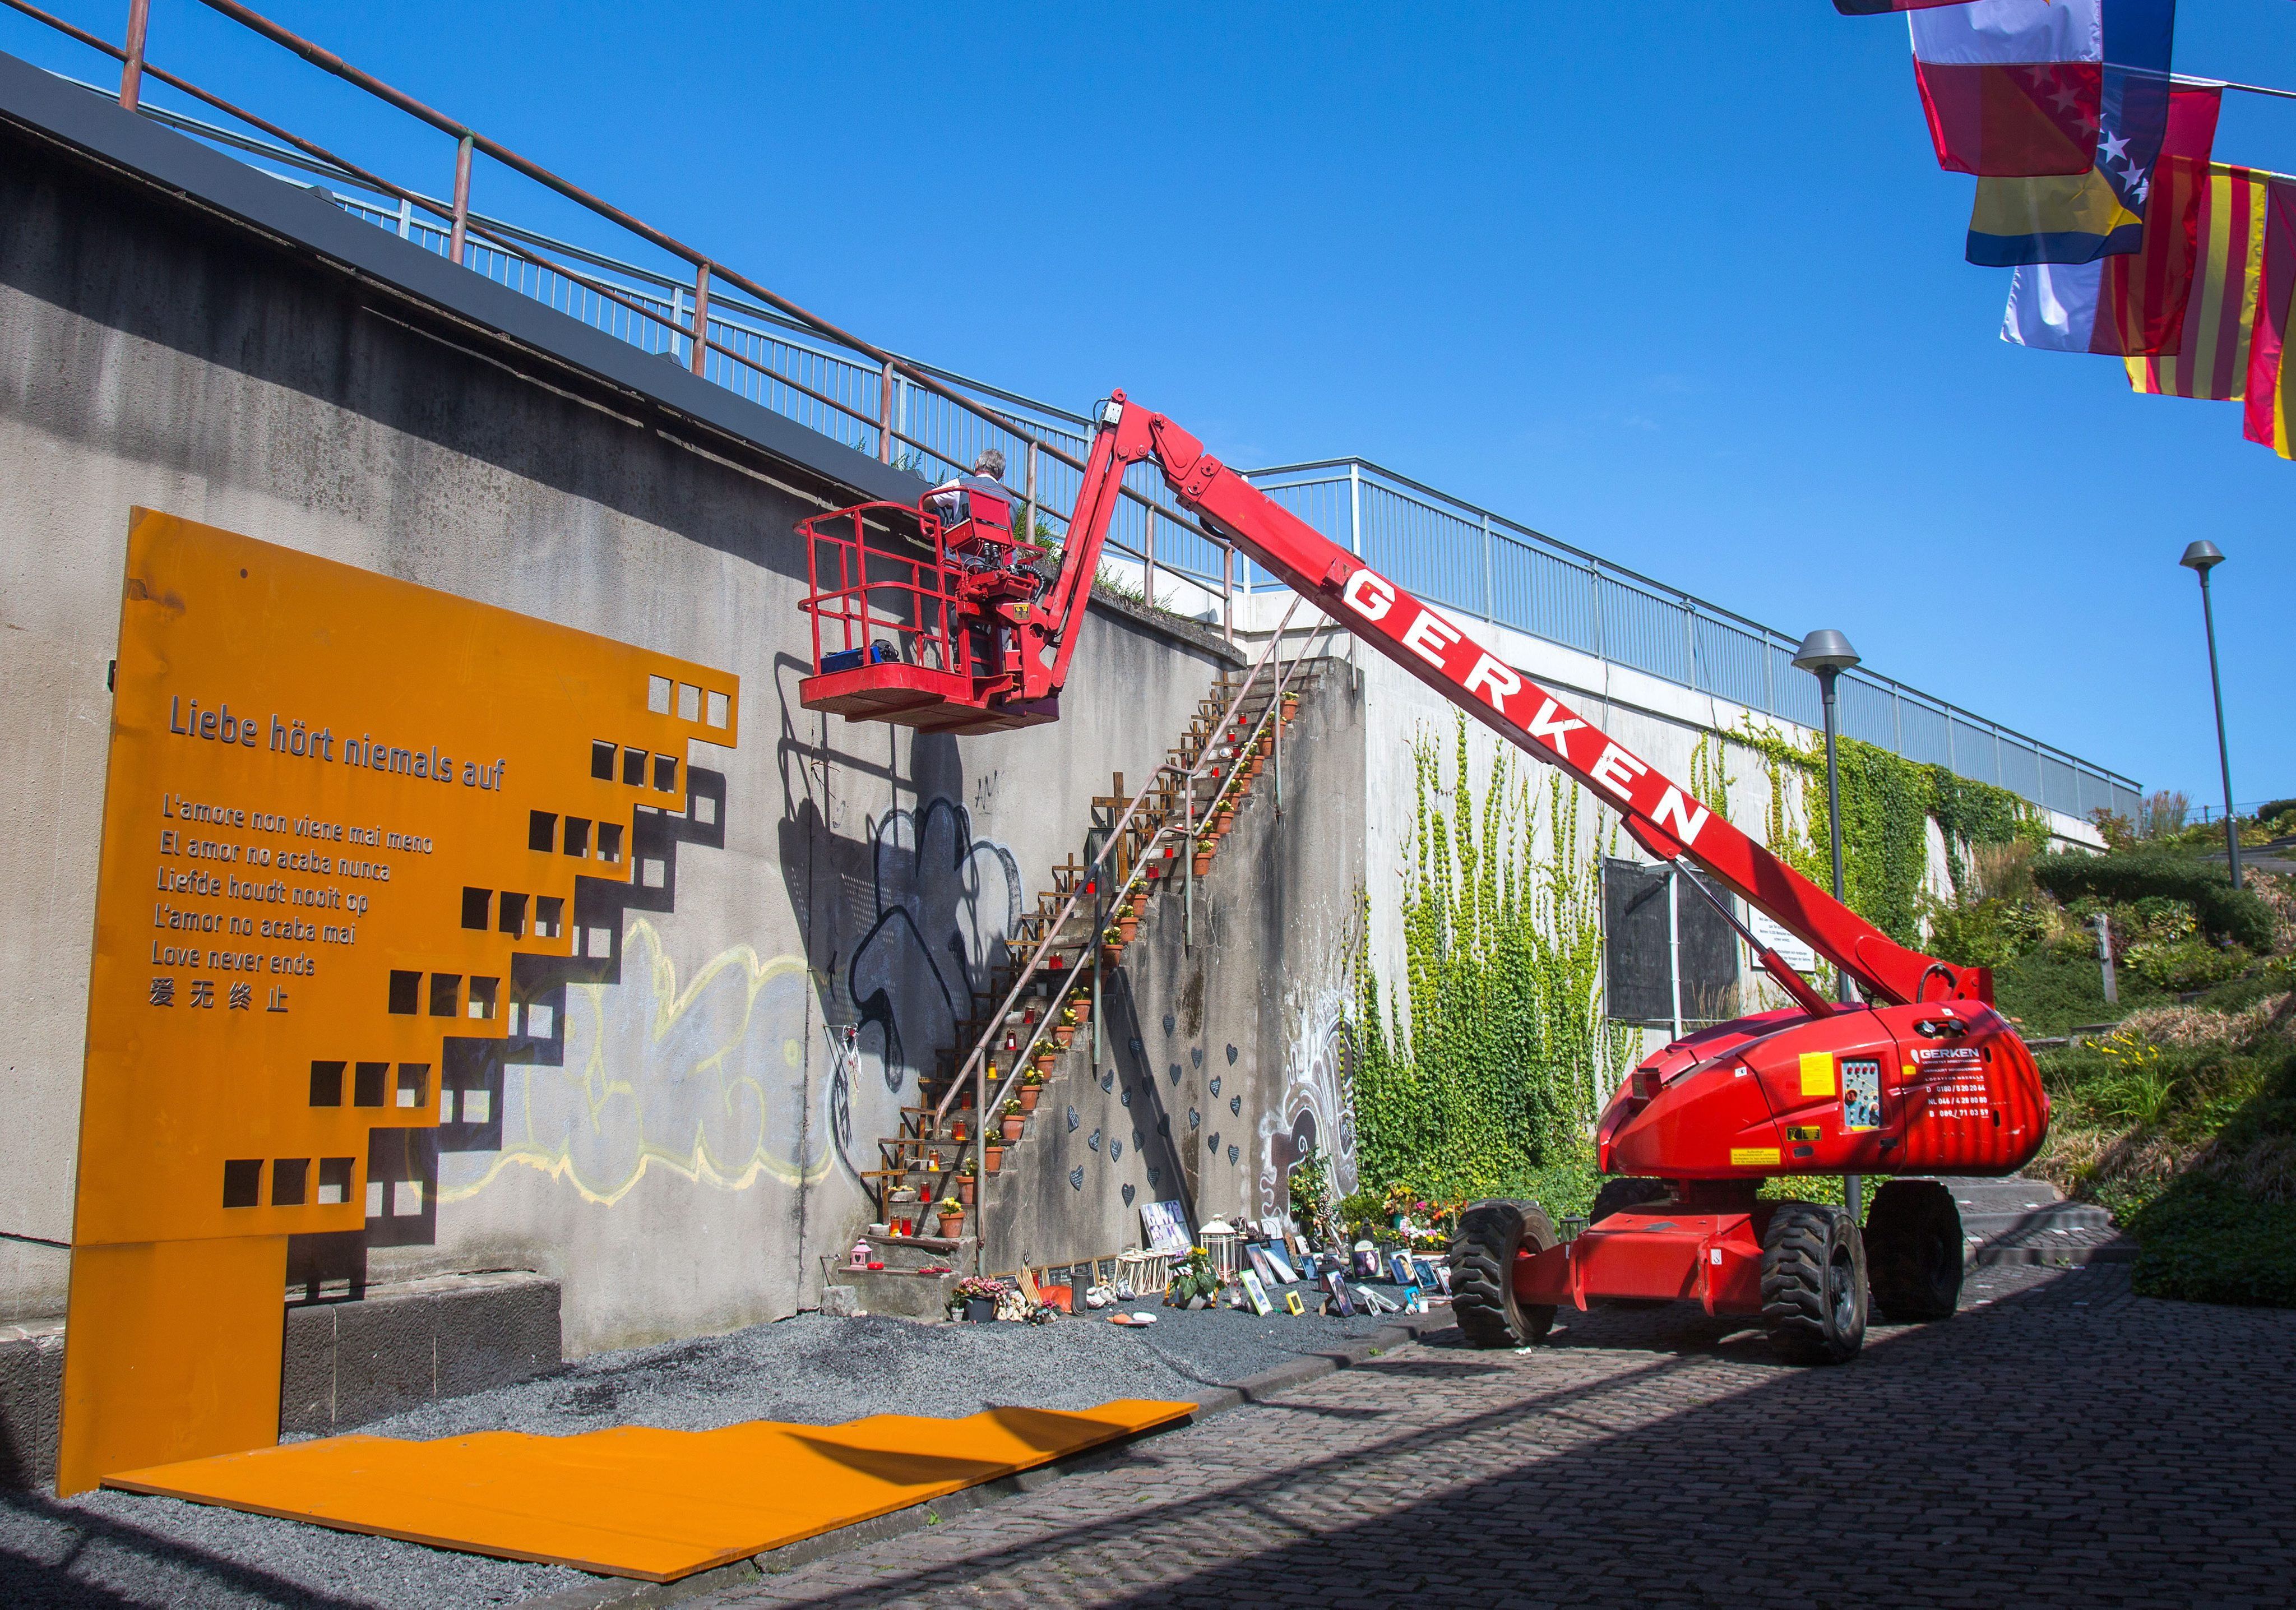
pixel 1753 1157
pixel 1817 1073
pixel 1802 1132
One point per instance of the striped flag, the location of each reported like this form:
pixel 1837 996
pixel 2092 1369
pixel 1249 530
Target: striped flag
pixel 2271 388
pixel 2211 359
pixel 2131 303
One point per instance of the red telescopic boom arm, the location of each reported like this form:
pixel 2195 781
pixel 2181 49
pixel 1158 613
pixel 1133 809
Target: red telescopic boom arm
pixel 1662 816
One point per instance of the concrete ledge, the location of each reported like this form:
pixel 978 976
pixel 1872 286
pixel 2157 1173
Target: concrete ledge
pixel 401 1346
pixel 346 1363
pixel 31 1402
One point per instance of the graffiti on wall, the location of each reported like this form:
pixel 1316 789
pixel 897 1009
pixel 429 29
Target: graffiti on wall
pixel 1313 1110
pixel 939 904
pixel 705 1078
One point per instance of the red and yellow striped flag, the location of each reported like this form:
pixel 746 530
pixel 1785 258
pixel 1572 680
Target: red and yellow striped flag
pixel 2212 359
pixel 2271 388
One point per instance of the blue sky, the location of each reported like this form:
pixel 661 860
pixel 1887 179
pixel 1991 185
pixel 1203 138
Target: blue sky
pixel 1679 284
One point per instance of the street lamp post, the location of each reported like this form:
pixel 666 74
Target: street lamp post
pixel 1826 655
pixel 2200 558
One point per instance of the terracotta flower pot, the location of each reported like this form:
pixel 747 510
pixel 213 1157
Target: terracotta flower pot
pixel 952 1226
pixel 991 1158
pixel 1204 862
pixel 1063 1034
pixel 1013 1126
pixel 1128 927
pixel 1111 956
pixel 964 1192
pixel 1029 1098
pixel 1139 905
pixel 1081 1005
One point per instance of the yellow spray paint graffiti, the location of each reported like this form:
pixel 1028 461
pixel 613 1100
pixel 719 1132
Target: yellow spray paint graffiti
pixel 707 1081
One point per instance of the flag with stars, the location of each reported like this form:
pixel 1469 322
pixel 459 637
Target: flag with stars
pixel 2080 217
pixel 2020 88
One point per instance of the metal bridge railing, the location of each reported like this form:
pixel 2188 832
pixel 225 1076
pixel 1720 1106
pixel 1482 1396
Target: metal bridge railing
pixel 1483 564
pixel 936 422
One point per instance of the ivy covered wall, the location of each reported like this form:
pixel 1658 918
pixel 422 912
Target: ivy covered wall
pixel 1477 1071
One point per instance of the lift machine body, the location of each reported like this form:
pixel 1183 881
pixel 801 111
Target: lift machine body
pixel 1920 1077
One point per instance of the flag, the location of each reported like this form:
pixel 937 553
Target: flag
pixel 2212 352
pixel 2129 304
pixel 1881 8
pixel 2017 88
pixel 2271 382
pixel 2078 218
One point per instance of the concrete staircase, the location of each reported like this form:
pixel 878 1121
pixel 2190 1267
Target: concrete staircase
pixel 2022 1221
pixel 920 1273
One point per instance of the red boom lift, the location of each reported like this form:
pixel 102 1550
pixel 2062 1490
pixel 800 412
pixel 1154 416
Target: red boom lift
pixel 1920 1077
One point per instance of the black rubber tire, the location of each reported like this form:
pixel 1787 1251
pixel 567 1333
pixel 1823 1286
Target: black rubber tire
pixel 1913 1251
pixel 1814 1283
pixel 1624 1192
pixel 1482 1273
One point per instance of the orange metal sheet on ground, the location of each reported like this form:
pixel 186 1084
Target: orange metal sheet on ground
pixel 636 1501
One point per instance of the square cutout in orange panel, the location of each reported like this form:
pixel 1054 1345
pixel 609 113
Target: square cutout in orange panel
pixel 367 1081
pixel 242 1182
pixel 290 1176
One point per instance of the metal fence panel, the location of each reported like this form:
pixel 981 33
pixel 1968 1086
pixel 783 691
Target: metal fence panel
pixel 1868 712
pixel 1976 754
pixel 1643 631
pixel 1921 732
pixel 1546 595
pixel 1730 661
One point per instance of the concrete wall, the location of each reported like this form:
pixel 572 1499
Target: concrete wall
pixel 1221 1029
pixel 153 354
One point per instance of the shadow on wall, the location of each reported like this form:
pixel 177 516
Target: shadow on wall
pixel 1153 1135
pixel 614 1064
pixel 905 923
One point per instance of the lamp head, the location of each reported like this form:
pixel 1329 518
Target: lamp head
pixel 2201 556
pixel 1825 651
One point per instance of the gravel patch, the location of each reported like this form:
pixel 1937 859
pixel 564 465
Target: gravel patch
pixel 114 1549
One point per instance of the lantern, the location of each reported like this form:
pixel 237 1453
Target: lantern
pixel 1225 1245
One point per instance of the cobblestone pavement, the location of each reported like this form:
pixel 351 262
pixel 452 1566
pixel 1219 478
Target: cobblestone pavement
pixel 2059 1442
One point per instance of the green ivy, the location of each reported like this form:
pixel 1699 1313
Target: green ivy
pixel 1483 1085
pixel 1887 804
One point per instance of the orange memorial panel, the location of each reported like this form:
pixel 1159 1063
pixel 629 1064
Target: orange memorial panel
pixel 637 1501
pixel 338 807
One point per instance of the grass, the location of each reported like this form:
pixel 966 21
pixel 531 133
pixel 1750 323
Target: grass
pixel 2183 1124
pixel 2049 992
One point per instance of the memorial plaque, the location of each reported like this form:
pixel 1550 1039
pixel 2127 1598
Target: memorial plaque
pixel 338 805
